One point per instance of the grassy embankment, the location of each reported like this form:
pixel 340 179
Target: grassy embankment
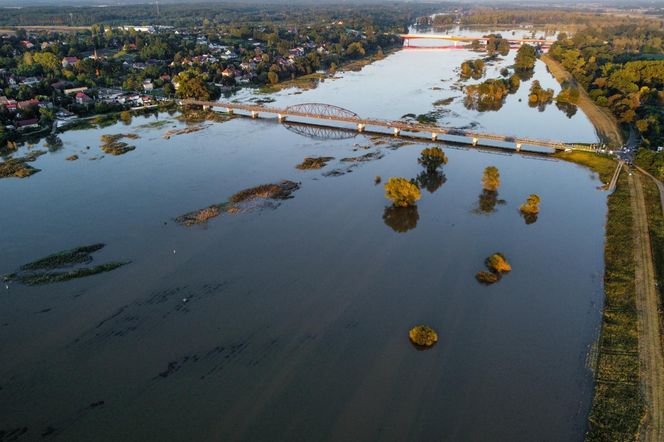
pixel 604 165
pixel 605 123
pixel 656 228
pixel 617 407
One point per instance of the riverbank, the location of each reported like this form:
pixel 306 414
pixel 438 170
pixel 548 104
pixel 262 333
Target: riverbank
pixel 648 308
pixel 310 81
pixel 604 165
pixel 654 195
pixel 605 124
pixel 617 408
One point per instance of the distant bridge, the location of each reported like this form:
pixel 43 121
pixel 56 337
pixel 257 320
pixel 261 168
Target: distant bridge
pixel 326 115
pixel 484 39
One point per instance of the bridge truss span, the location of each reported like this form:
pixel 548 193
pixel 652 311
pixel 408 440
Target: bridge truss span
pixel 328 114
pixel 321 110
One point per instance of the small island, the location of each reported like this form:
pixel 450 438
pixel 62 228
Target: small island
pixel 423 336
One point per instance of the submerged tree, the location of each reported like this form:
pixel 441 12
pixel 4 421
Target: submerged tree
pixel 402 192
pixel 472 69
pixel 497 265
pixel 531 205
pixel 538 96
pixel 432 158
pixel 491 179
pixel 525 58
pixel 530 209
pixel 496 43
pixel 423 336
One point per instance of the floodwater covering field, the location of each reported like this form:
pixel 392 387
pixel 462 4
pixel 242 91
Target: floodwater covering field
pixel 290 321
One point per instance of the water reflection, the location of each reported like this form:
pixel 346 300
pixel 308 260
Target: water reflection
pixel 525 75
pixel 401 219
pixel 529 218
pixel 320 133
pixel 488 200
pixel 53 143
pixel 568 109
pixel 431 180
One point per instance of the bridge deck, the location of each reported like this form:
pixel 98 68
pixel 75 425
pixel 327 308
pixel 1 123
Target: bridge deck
pixel 398 125
pixel 459 38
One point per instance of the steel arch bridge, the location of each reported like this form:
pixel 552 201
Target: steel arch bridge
pixel 323 110
pixel 320 133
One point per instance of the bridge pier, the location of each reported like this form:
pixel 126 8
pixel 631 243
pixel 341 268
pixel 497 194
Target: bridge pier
pixel 229 110
pixel 361 127
pixel 475 140
pixel 397 132
pixel 434 136
pixel 206 107
pixel 281 118
pixel 254 114
pixel 518 147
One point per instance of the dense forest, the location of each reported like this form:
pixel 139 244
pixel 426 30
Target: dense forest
pixel 622 68
pixel 392 16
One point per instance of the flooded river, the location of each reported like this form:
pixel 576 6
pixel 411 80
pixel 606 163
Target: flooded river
pixel 290 322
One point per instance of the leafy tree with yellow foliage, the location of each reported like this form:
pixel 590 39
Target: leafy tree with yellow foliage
pixel 491 179
pixel 402 192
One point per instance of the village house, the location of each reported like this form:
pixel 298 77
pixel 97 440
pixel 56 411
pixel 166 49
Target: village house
pixel 231 72
pixel 27 104
pixel 83 99
pixel 76 89
pixel 69 61
pixel 27 124
pixel 148 85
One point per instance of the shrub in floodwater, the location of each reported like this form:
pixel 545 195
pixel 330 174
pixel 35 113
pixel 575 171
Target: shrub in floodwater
pixel 423 335
pixel 432 158
pixel 113 146
pixel 72 158
pixel 402 192
pixel 310 163
pixel 531 206
pixel 491 179
pixel 498 263
pixel 117 148
pixel 378 179
pixel 280 191
pixel 242 202
pixel 18 167
pixel 487 277
pixel 200 216
pixel 53 268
